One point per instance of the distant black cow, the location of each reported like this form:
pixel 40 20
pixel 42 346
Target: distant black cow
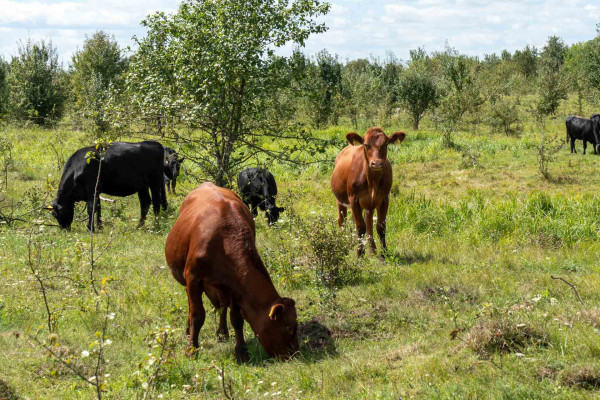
pixel 127 168
pixel 579 128
pixel 259 189
pixel 172 167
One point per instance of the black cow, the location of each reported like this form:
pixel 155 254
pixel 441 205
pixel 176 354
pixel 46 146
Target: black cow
pixel 127 168
pixel 259 189
pixel 172 167
pixel 583 129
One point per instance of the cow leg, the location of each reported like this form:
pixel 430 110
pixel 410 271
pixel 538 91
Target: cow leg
pixel 98 214
pixel 573 150
pixel 584 146
pixel 361 227
pixel 90 212
pixel 197 314
pixel 222 331
pixel 158 198
pixel 342 212
pixel 173 184
pixel 237 321
pixel 381 225
pixel 369 224
pixel 254 208
pixel 145 200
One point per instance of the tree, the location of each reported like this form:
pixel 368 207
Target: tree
pixel 94 68
pixel 527 61
pixel 575 70
pixel 592 61
pixel 4 69
pixel 417 92
pixel 361 92
pixel 320 83
pixel 38 85
pixel 554 53
pixel 551 83
pixel 213 65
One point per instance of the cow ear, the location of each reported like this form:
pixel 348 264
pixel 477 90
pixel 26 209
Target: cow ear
pixel 276 310
pixel 354 138
pixel 181 159
pixel 281 209
pixel 396 137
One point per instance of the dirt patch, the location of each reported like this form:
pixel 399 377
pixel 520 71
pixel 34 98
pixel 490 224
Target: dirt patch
pixel 315 336
pixel 503 336
pixel 585 377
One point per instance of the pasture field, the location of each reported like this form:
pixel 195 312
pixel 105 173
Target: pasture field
pixel 464 305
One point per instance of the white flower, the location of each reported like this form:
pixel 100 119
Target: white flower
pixel 111 315
pixel 85 354
pixel 553 301
pixel 537 298
pixel 145 385
pixel 107 342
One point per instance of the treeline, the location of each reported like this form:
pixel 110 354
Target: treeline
pixel 208 79
pixel 324 90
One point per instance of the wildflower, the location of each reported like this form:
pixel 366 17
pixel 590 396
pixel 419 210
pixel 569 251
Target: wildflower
pixel 85 354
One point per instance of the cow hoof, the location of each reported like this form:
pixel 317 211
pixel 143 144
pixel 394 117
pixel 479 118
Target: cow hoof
pixel 222 336
pixel 241 354
pixel 191 351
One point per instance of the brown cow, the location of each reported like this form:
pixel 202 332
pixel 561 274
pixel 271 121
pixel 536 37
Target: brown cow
pixel 362 179
pixel 211 249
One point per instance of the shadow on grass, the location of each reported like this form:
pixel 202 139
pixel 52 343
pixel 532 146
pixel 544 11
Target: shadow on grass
pixel 396 258
pixel 6 392
pixel 316 343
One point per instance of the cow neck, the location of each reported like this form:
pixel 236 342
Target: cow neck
pixel 256 290
pixel 373 179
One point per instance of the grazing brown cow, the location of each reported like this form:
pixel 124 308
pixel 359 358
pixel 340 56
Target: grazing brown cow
pixel 211 249
pixel 362 179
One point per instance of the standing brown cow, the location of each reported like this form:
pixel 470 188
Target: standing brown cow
pixel 211 249
pixel 362 179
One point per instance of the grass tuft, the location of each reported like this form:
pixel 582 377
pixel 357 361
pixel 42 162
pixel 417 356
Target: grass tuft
pixel 501 336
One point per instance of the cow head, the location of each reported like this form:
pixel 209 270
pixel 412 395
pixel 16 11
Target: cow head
pixel 278 333
pixel 63 214
pixel 375 144
pixel 173 165
pixel 272 212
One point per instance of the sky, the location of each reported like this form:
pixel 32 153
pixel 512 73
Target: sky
pixel 357 28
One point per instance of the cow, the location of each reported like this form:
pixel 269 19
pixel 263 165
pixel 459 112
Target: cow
pixel 259 189
pixel 126 168
pixel 172 166
pixel 583 129
pixel 211 249
pixel 362 179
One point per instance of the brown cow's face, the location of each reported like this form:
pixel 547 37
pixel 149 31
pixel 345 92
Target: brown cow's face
pixel 279 333
pixel 375 144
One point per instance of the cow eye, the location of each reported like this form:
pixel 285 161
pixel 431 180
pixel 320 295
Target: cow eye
pixel 368 146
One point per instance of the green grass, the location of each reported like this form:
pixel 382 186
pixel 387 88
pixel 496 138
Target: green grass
pixel 473 241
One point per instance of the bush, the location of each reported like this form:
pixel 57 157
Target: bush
pixel 329 254
pixel 38 85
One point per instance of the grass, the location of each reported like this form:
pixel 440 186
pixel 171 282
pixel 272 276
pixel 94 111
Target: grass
pixel 463 307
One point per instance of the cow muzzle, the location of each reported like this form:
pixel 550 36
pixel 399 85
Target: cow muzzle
pixel 376 165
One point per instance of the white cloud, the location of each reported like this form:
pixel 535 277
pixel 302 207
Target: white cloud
pixel 358 28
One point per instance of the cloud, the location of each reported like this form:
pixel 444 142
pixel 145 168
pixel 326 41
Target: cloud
pixel 358 28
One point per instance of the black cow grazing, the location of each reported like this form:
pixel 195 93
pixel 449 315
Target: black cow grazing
pixel 172 166
pixel 259 189
pixel 127 168
pixel 579 128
